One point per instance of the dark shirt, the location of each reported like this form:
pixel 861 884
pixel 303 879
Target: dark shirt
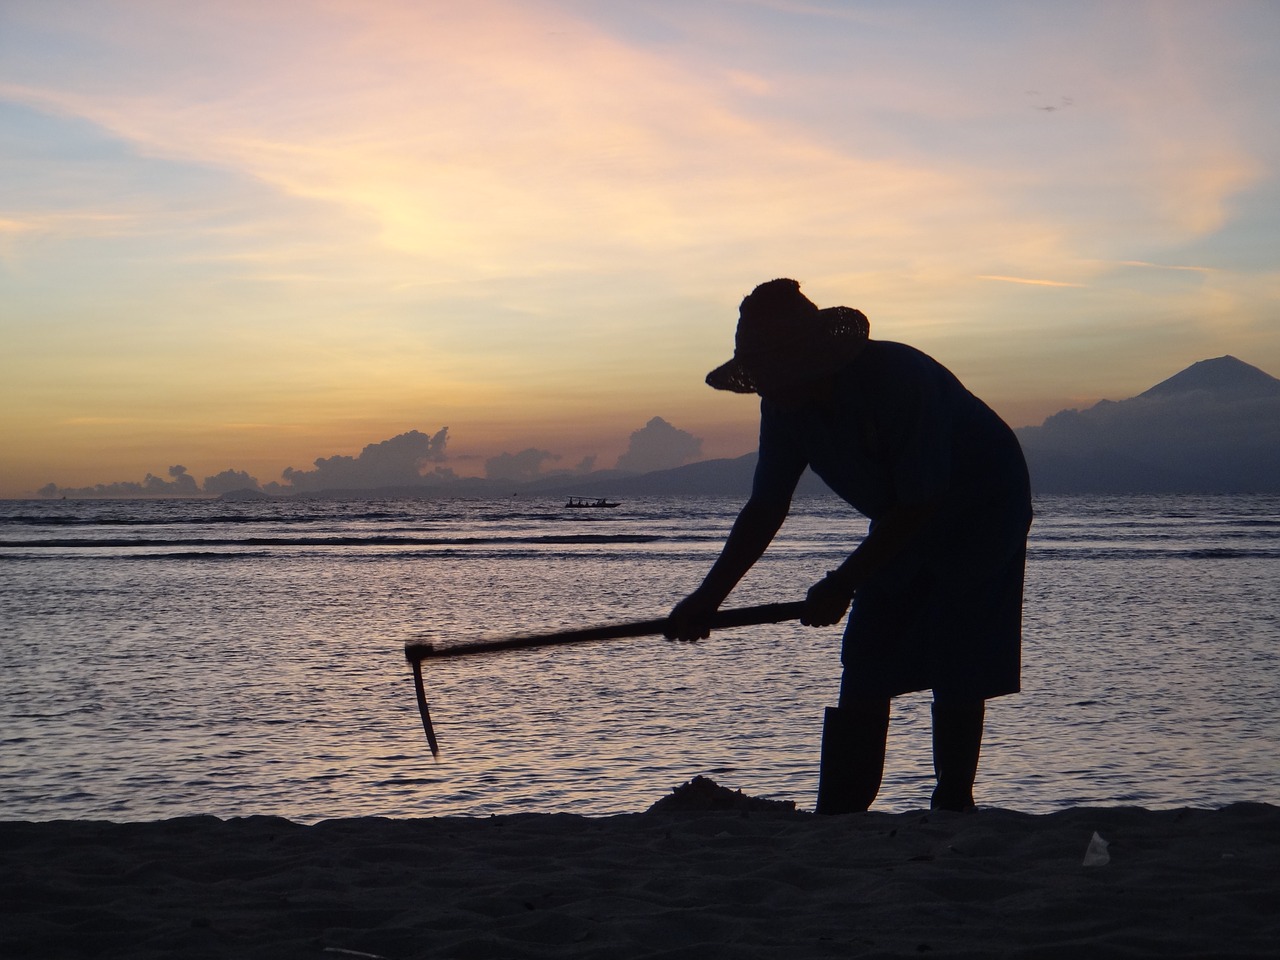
pixel 902 431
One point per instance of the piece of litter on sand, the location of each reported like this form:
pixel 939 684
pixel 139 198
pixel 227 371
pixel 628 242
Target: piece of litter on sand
pixel 1096 855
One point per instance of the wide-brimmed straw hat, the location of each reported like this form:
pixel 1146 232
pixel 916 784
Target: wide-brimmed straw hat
pixel 784 339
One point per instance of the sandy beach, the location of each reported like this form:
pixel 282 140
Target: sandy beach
pixel 690 883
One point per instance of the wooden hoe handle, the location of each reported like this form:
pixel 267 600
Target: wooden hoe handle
pixel 417 651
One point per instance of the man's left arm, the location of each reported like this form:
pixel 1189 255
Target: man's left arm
pixel 828 600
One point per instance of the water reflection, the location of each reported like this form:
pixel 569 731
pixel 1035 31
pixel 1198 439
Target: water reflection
pixel 156 685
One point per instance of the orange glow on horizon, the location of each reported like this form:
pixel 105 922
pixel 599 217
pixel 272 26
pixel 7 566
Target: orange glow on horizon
pixel 251 237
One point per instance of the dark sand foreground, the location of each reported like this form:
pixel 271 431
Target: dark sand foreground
pixel 777 884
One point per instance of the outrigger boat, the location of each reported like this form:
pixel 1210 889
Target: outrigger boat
pixel 588 502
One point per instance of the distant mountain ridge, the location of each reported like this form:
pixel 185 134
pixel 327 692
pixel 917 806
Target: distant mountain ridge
pixel 1224 378
pixel 1211 428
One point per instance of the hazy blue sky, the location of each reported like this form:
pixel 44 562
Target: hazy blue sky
pixel 251 234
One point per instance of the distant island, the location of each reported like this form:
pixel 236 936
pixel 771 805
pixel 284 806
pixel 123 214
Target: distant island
pixel 1213 428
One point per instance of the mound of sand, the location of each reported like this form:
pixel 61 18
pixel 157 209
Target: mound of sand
pixel 702 794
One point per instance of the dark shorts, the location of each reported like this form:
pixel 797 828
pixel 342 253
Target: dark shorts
pixel 946 618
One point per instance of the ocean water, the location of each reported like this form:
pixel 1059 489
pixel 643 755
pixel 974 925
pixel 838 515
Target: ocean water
pixel 167 658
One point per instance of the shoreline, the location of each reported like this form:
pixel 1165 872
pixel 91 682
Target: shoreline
pixel 722 883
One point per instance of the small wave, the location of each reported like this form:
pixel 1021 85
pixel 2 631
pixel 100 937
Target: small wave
pixel 186 521
pixel 1085 552
pixel 82 543
pixel 1229 553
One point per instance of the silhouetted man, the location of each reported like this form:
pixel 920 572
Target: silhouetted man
pixel 936 585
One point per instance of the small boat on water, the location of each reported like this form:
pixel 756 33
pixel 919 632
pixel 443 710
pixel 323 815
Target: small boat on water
pixel 590 502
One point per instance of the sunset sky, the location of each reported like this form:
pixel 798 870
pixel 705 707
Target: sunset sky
pixel 252 233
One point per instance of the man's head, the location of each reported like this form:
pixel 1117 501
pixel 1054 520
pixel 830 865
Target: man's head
pixel 784 340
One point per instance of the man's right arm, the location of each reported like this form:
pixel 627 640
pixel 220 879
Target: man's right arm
pixel 753 531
